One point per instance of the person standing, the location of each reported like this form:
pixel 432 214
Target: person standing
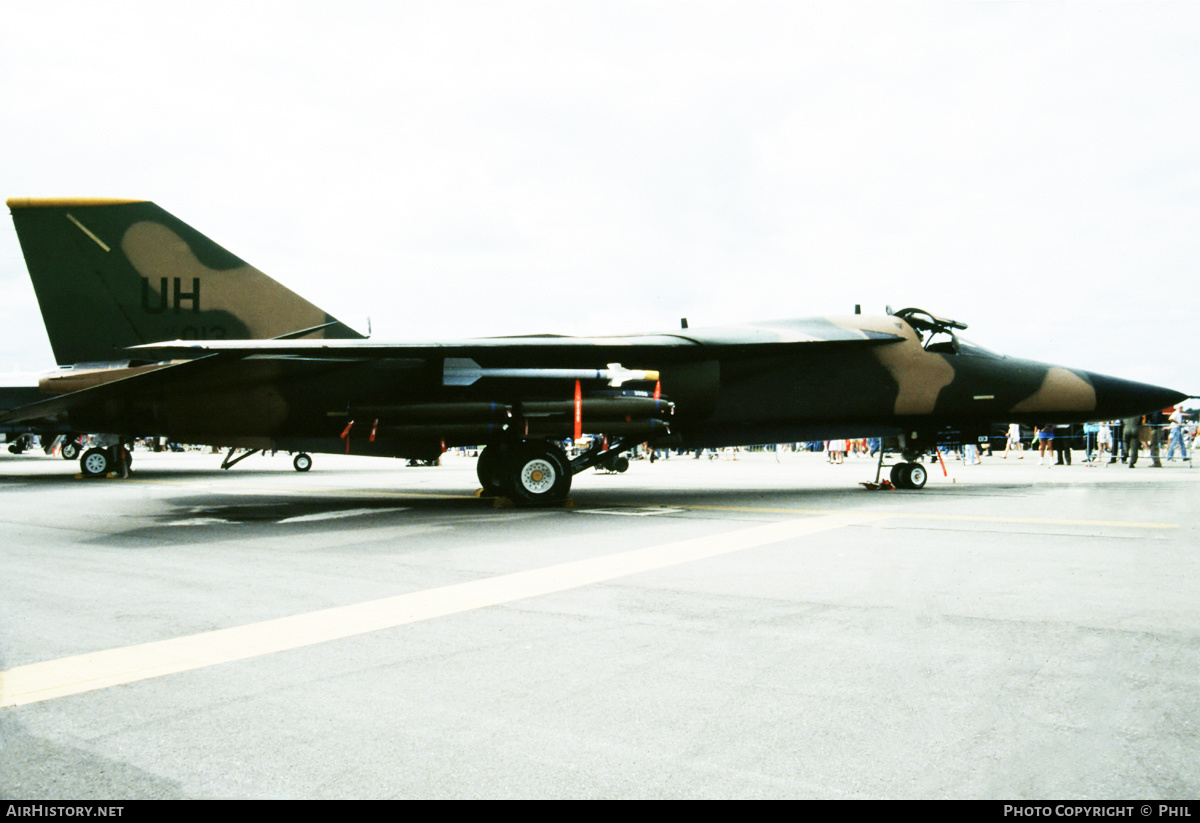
pixel 1133 438
pixel 1045 437
pixel 970 454
pixel 1155 422
pixel 1176 419
pixel 1090 431
pixel 1062 440
pixel 1104 441
pixel 1014 440
pixel 1118 436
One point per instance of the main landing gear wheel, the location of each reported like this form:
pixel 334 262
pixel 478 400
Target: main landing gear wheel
pixel 70 450
pixel 490 469
pixel 909 476
pixel 95 462
pixel 302 462
pixel 537 474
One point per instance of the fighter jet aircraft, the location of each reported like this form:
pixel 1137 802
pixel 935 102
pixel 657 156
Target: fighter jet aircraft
pixel 906 374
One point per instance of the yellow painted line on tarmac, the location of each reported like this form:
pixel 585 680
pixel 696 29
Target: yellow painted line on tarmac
pixel 52 679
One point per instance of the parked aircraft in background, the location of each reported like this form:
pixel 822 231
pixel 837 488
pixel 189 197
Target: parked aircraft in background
pixel 906 374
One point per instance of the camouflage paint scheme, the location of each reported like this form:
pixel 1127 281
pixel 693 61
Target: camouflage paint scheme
pixel 109 274
pixel 158 280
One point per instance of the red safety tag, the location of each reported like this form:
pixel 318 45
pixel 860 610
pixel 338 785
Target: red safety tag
pixel 578 412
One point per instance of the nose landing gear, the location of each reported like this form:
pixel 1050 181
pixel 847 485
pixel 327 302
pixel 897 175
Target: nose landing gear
pixel 908 474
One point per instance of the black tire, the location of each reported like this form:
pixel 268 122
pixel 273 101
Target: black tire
pixel 620 464
pixel 96 462
pixel 537 474
pixel 897 475
pixel 70 450
pixel 302 462
pixel 489 468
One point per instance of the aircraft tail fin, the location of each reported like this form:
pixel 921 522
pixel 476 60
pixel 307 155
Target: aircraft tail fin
pixel 110 274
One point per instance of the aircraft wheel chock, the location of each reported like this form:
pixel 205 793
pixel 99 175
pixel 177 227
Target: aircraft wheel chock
pixel 302 462
pixel 538 475
pixel 95 462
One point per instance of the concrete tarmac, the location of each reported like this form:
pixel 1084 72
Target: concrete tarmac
pixel 759 627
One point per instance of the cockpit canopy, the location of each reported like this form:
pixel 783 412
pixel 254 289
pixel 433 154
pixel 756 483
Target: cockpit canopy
pixel 938 333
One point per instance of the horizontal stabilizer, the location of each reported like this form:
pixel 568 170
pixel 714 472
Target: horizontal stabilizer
pixel 123 380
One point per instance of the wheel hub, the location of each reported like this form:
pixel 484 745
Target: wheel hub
pixel 538 476
pixel 96 463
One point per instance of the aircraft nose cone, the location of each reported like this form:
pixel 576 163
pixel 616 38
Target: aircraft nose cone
pixel 1124 398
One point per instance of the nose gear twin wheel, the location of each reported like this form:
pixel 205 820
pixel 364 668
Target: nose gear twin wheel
pixel 909 476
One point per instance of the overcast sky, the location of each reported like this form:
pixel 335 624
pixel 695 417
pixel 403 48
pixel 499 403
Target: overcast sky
pixel 455 169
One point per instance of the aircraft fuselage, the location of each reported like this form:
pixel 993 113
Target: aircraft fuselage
pixel 725 392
